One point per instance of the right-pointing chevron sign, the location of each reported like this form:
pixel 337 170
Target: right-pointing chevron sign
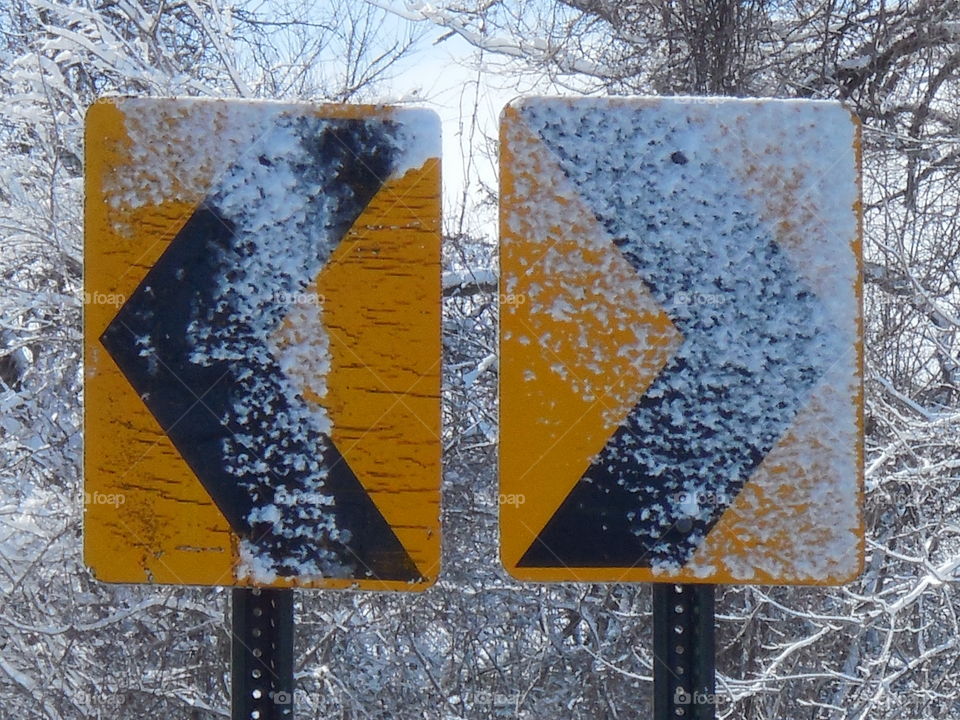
pixel 680 342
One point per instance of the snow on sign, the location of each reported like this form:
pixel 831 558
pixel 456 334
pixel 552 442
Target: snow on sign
pixel 262 344
pixel 680 326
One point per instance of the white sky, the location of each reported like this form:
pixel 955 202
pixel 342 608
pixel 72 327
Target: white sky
pixel 445 78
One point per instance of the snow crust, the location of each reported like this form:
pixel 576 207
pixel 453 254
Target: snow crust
pixel 739 216
pixel 258 174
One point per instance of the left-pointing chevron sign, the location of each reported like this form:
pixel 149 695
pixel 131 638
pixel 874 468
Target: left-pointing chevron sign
pixel 262 344
pixel 680 392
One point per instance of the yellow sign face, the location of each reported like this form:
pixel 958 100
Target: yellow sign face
pixel 262 344
pixel 680 341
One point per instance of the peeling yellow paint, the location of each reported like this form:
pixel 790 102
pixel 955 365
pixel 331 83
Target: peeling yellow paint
pixel 549 429
pixel 126 454
pixel 147 519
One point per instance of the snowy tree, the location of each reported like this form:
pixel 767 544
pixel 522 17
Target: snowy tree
pixel 480 645
pixel 73 647
pixel 882 647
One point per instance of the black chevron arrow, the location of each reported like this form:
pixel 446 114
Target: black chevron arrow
pixel 756 340
pixel 193 341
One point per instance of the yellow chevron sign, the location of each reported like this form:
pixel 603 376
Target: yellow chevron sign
pixel 262 344
pixel 680 339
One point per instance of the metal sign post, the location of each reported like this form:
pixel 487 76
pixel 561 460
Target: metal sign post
pixel 262 654
pixel 684 673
